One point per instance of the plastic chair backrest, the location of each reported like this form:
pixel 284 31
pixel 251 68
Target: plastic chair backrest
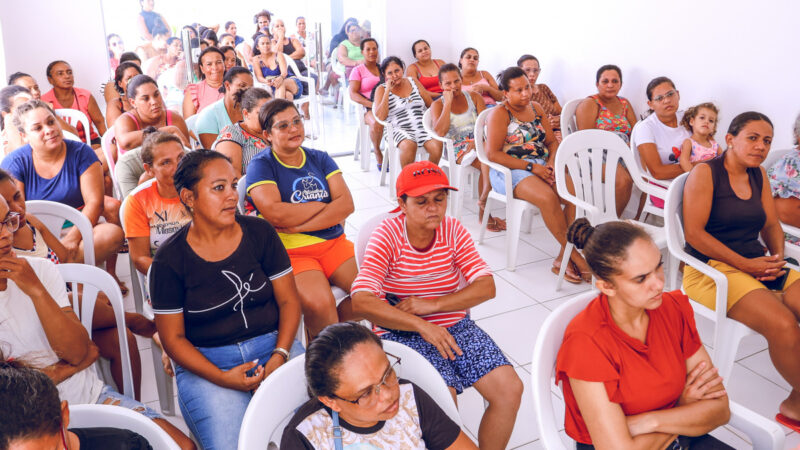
pixel 75 117
pixel 54 214
pixel 105 144
pixel 281 393
pixel 548 342
pixel 94 281
pixel 569 124
pixel 774 155
pixel 582 154
pixel 365 232
pixel 191 125
pixel 242 190
pixel 109 416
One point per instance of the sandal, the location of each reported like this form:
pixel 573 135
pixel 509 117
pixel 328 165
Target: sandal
pixel 585 275
pixel 569 275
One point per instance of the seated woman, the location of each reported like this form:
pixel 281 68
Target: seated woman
pixel 425 69
pixel 147 111
pixel 477 81
pixel 289 46
pixel 659 136
pixel 340 365
pixel 39 324
pixel 610 112
pixel 727 206
pixel 348 53
pixel 210 36
pixel 52 168
pixel 125 71
pixel 34 239
pixel 172 79
pixel 65 95
pixel 116 47
pixel 428 312
pixel 632 368
pixel 148 20
pixel 225 301
pixel 231 60
pixel 302 193
pixel 227 40
pixel 108 89
pixel 226 111
pixel 270 68
pixel 332 80
pixel 784 179
pixel 364 78
pixel 156 46
pixel 11 97
pixel 243 140
pixel 24 80
pixel 541 93
pixel 454 116
pixel 401 101
pixel 519 136
pixel 199 95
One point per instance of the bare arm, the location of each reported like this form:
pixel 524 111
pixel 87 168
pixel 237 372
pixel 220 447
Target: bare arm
pixel 233 151
pixel 299 52
pixel 92 189
pixel 206 139
pixel 788 210
pixel 257 71
pixel 96 116
pixel 267 198
pixel 381 106
pixel 492 88
pixel 188 106
pixel 113 111
pixel 140 252
pixel 440 113
pixel 49 238
pixel 426 95
pixel 462 442
pixel 586 114
pixel 685 159
pixel 355 94
pixel 496 127
pixel 342 55
pixel 62 370
pixel 474 294
pixel 335 212
pixel 652 161
pixel 143 28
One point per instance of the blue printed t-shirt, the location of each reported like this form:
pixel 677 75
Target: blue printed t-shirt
pixel 213 118
pixel 307 182
pixel 65 187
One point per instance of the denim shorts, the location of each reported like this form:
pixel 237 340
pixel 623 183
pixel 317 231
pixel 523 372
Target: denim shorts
pixel 213 413
pixel 497 179
pixel 109 396
pixel 480 353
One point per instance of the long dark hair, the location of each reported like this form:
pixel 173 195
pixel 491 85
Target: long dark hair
pixel 606 245
pixel 119 72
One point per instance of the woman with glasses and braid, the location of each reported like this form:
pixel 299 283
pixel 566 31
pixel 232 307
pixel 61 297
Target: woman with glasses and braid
pixel 354 385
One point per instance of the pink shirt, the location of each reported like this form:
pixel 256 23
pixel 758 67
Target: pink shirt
pixel 392 265
pixel 368 79
pixel 80 102
pixel 203 95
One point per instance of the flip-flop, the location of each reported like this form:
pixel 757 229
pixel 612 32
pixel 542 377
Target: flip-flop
pixel 788 422
pixel 569 275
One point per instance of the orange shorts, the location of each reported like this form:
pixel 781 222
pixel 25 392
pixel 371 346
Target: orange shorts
pixel 324 256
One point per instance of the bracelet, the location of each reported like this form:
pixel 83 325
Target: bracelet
pixel 283 352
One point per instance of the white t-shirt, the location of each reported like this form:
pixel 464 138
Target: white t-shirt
pixel 22 335
pixel 653 131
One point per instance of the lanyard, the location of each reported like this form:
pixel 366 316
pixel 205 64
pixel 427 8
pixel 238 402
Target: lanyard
pixel 337 432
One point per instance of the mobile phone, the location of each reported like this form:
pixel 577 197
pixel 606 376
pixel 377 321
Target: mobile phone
pixel 778 283
pixel 392 299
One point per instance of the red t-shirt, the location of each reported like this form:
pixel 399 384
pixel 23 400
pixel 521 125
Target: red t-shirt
pixel 640 377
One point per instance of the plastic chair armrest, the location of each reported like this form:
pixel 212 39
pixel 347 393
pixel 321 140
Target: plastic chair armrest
pixel 763 433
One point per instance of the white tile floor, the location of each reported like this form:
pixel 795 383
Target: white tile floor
pixel 524 298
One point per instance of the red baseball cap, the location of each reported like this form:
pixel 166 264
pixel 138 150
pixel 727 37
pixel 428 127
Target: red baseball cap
pixel 420 178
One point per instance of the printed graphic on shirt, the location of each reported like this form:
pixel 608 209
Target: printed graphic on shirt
pixel 243 290
pixel 308 189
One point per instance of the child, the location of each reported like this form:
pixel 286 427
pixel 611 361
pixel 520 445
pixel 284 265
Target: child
pixel 701 121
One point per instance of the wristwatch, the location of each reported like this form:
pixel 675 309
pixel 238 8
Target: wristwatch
pixel 529 167
pixel 283 352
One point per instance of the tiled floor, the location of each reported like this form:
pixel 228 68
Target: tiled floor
pixel 524 299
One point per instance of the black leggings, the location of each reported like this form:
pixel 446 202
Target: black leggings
pixel 704 442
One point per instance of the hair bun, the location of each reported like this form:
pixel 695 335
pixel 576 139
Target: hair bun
pixel 579 232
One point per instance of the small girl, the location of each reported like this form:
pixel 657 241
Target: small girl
pixel 701 121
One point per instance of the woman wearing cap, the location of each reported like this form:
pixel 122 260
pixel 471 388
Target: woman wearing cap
pixel 409 287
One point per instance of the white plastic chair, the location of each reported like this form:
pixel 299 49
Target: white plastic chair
pixel 54 214
pixel 281 393
pixel 569 123
pixel 764 434
pixel 459 173
pixel 649 207
pixel 111 416
pixel 389 165
pixel 791 250
pixel 164 386
pixel 191 125
pixel 364 233
pixel 105 144
pixel 309 97
pixel 75 117
pixel 363 143
pixel 581 154
pixel 241 189
pixel 70 136
pixel 728 333
pixel 95 280
pixel 515 208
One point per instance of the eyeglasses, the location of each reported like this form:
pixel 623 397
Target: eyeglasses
pixel 283 126
pixel 370 398
pixel 11 223
pixel 661 98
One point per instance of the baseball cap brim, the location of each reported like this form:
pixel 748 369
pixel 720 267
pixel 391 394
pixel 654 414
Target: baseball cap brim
pixel 424 190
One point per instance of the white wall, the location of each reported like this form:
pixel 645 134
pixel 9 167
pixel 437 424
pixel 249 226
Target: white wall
pixel 409 20
pixel 72 31
pixel 742 55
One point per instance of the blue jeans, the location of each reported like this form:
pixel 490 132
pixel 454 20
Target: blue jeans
pixel 213 413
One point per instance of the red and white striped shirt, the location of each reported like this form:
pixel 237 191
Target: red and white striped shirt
pixel 392 265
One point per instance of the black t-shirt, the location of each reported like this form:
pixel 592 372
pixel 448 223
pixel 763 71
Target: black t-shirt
pixel 419 423
pixel 222 302
pixel 110 439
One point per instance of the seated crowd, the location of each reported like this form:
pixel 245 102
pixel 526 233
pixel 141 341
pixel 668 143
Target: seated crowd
pixel 231 287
